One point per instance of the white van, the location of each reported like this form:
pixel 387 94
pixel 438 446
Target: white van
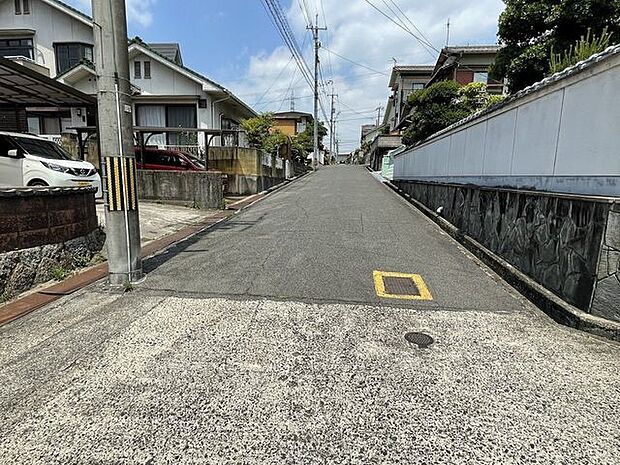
pixel 27 160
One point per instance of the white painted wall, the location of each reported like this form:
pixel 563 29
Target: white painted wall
pixel 50 24
pixel 164 80
pixel 563 137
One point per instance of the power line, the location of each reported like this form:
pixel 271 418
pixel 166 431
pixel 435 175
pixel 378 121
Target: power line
pixel 404 28
pixel 274 81
pixel 430 44
pixel 361 65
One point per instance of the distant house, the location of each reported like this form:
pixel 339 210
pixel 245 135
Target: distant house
pixel 57 40
pixel 403 81
pixel 466 64
pixel 292 123
pixel 365 131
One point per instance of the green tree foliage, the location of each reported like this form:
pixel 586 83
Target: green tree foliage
pixel 531 30
pixel 258 129
pixel 443 104
pixel 303 143
pixel 585 47
pixel 274 141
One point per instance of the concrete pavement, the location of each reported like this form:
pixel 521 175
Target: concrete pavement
pixel 264 341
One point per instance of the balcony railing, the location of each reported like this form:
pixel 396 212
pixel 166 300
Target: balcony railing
pixel 52 137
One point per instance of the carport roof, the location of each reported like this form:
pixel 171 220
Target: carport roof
pixel 24 87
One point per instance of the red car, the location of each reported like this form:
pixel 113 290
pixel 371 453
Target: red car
pixel 167 160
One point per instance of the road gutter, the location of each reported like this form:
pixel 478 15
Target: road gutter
pixel 559 310
pixel 31 302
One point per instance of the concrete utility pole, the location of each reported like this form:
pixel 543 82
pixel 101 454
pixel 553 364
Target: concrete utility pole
pixel 317 45
pixel 332 124
pixel 116 142
pixel 379 116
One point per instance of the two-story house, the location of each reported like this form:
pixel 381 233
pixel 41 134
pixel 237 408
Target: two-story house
pixel 466 64
pixel 57 40
pixel 403 81
pixel 292 123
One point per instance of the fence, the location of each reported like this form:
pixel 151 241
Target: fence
pixel 558 135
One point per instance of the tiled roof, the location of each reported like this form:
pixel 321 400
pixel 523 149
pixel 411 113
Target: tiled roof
pixel 472 49
pixel 172 51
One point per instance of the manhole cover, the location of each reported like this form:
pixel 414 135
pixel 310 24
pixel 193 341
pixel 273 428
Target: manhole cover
pixel 420 339
pixel 400 286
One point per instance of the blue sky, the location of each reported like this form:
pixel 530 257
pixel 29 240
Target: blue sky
pixel 234 43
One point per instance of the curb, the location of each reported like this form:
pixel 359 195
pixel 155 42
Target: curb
pixel 29 303
pixel 559 310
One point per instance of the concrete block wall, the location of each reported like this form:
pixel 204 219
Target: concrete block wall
pixel 569 244
pixel 244 168
pixel 200 189
pixel 560 135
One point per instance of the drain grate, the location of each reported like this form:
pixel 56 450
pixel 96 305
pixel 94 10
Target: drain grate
pixel 422 340
pixel 400 286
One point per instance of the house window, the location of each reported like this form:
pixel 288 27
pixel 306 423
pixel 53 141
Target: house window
pixel 70 54
pixel 147 70
pixel 16 47
pixel 170 116
pixel 26 8
pixel 137 70
pixel 18 7
pixel 481 77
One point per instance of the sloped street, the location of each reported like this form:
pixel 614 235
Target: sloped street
pixel 264 341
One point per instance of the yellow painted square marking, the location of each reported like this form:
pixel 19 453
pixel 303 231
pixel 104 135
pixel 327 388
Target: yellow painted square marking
pixel 424 293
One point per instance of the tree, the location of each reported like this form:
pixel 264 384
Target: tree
pixel 443 104
pixel 532 30
pixel 303 143
pixel 258 129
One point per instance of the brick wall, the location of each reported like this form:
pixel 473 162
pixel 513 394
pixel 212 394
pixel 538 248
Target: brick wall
pixel 32 217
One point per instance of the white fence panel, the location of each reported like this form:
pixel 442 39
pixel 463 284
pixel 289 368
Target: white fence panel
pixel 559 135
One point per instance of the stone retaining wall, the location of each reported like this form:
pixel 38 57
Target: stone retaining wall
pixel 21 270
pixel 569 244
pixel 44 233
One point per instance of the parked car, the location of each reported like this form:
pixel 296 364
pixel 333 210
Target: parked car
pixel 167 160
pixel 28 160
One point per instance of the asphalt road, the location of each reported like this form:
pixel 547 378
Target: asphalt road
pixel 264 341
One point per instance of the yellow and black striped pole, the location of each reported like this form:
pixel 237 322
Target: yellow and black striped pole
pixel 122 193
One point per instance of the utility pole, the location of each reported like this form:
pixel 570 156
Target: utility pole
pixel 315 34
pixel 448 33
pixel 116 142
pixel 332 125
pixel 293 100
pixel 379 116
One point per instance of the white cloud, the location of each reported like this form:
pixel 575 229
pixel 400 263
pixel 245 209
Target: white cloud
pixel 362 34
pixel 139 12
